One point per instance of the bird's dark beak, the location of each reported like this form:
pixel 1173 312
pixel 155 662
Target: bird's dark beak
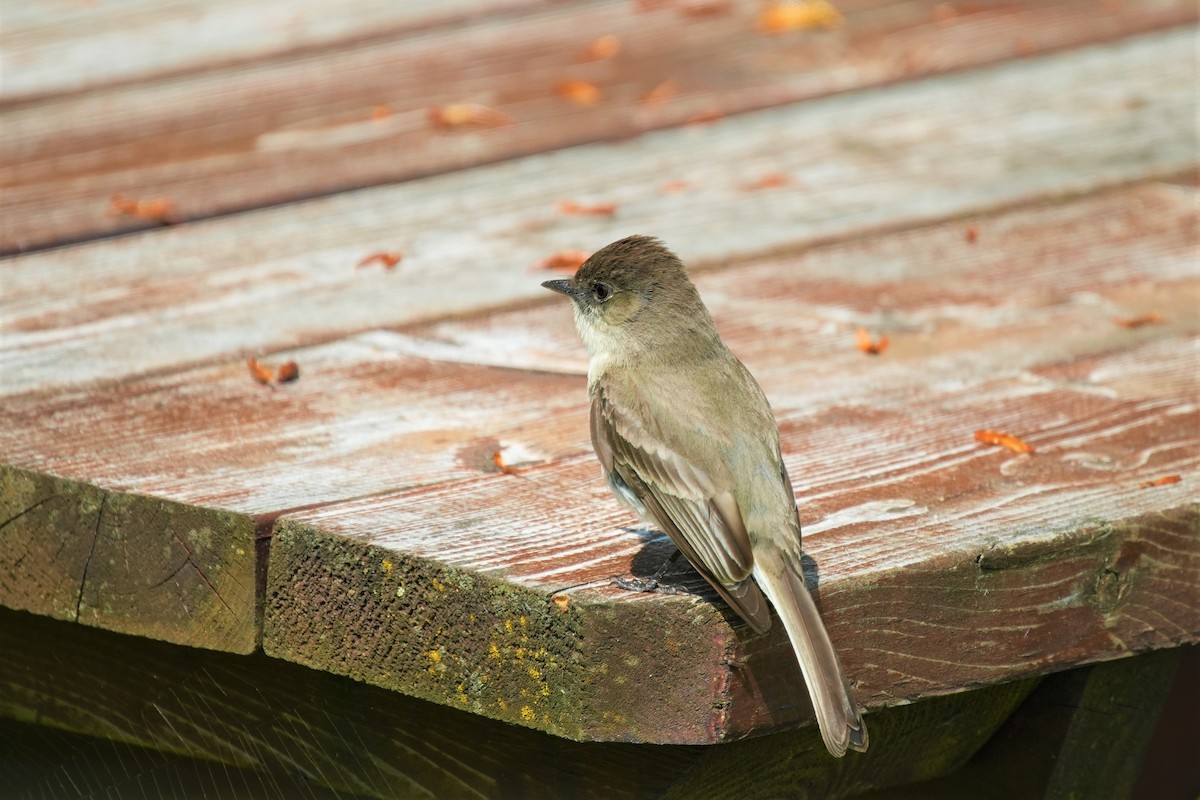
pixel 562 286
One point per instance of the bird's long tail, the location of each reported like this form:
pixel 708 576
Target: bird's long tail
pixel 782 580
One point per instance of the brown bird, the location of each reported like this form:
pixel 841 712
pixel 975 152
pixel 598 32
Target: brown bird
pixel 687 440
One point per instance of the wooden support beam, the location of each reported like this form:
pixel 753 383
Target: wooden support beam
pixel 1082 733
pixel 265 725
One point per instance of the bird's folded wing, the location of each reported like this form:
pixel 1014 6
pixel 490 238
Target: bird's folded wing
pixel 700 515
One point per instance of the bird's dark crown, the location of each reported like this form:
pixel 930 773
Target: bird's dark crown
pixel 633 264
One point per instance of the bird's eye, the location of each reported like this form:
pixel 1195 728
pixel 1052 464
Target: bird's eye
pixel 601 291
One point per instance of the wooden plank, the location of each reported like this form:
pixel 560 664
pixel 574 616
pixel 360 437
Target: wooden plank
pixel 415 408
pixel 166 299
pixel 385 411
pixel 274 724
pixel 1081 733
pixel 285 725
pixel 129 563
pixel 59 47
pixel 303 125
pixel 42 762
pixel 1049 560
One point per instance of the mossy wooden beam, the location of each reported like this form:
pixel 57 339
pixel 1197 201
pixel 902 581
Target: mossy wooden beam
pixel 126 562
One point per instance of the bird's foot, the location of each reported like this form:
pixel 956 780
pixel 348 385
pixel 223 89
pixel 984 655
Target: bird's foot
pixel 648 585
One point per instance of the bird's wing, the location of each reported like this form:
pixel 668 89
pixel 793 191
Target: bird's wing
pixel 687 503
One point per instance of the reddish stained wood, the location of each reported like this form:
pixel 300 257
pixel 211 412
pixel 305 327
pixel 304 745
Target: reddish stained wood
pixel 166 298
pixel 374 398
pixel 51 40
pixel 62 154
pixel 920 518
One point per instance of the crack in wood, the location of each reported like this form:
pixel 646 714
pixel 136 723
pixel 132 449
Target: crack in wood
pixel 191 560
pixel 20 514
pixel 88 563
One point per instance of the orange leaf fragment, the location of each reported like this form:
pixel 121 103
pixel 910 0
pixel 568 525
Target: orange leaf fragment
pixel 380 112
pixel 579 92
pixel 869 347
pixel 388 259
pixel 563 261
pixel 288 371
pixel 459 114
pixel 799 16
pixel 674 187
pixel 1004 440
pixel 972 234
pixel 1163 481
pixel 160 210
pixel 1137 322
pixel 258 371
pixel 561 602
pixel 572 209
pixel 706 8
pixel 664 92
pixel 771 180
pixel 705 117
pixel 602 49
pixel 498 460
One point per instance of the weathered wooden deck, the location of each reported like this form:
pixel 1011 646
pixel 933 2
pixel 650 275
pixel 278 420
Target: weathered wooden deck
pixel 994 187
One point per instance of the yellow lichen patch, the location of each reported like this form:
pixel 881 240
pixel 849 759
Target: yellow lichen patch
pixel 501 703
pixel 508 626
pixel 387 565
pixel 527 714
pixel 494 651
pixel 435 656
pixel 438 585
pixel 535 673
pixel 524 621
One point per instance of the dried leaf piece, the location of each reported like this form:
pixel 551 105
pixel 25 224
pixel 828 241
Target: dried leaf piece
pixel 972 234
pixel 388 259
pixel 258 371
pixel 579 92
pixel 460 114
pixel 664 92
pixel 705 117
pixel 561 601
pixel 288 371
pixel 1004 440
pixel 799 16
pixel 160 210
pixel 771 180
pixel 572 209
pixel 869 347
pixel 1164 481
pixel 705 8
pixel 498 460
pixel 563 261
pixel 604 48
pixel 1137 322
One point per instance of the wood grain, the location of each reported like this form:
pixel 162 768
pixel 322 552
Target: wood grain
pixel 1043 562
pixel 135 564
pixel 276 725
pixel 429 407
pixel 167 299
pixel 305 123
pixel 68 47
